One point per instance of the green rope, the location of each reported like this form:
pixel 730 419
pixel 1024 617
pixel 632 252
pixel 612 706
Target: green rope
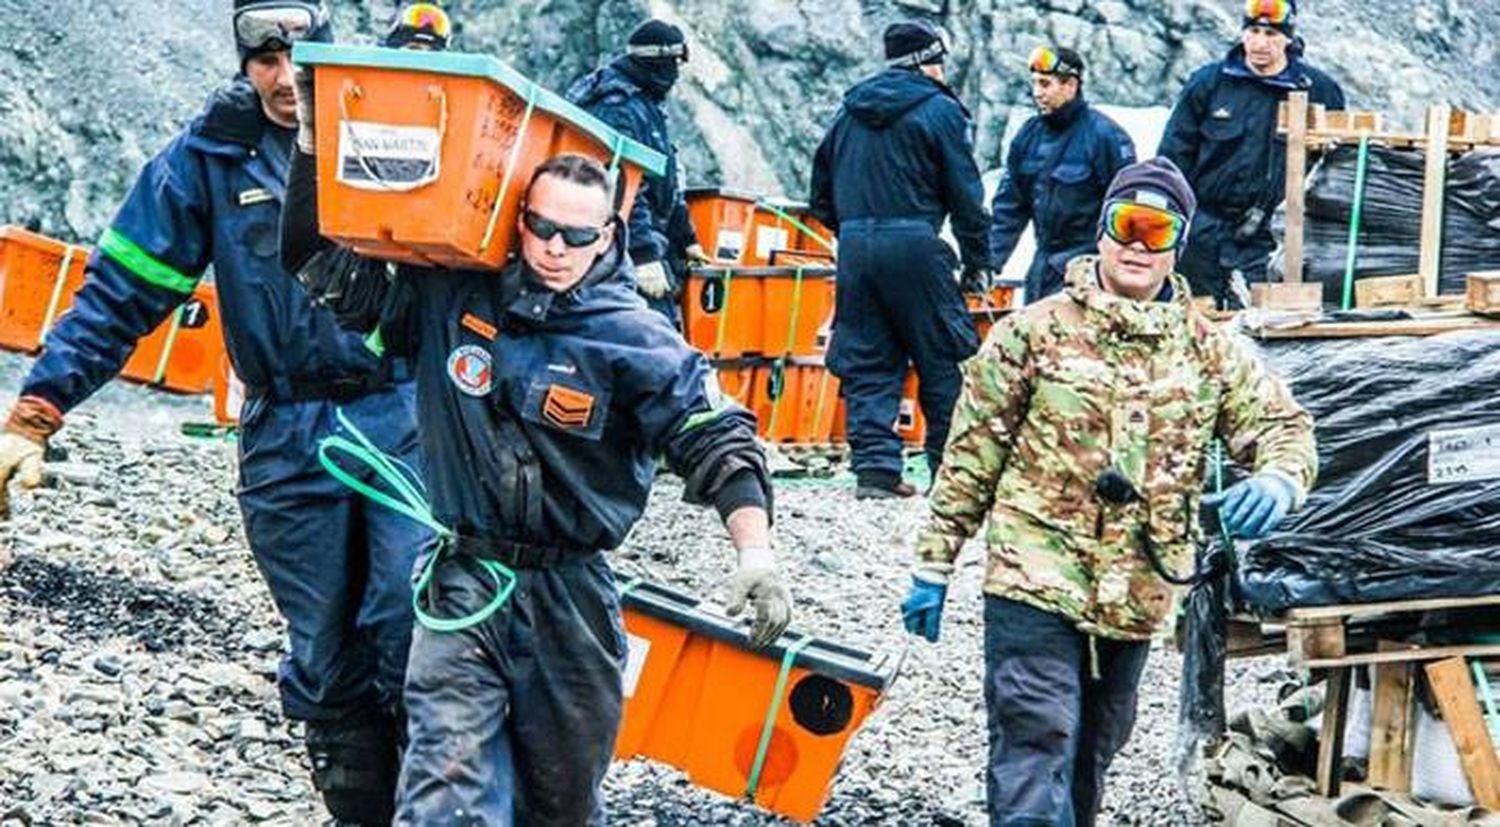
pixel 1355 216
pixel 166 348
pixel 769 726
pixel 723 313
pixel 55 300
pixel 405 495
pixel 803 228
pixel 791 339
pixel 510 168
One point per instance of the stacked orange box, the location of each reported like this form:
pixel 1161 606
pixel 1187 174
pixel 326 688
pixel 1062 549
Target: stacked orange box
pixel 698 698
pixel 183 354
pixel 38 277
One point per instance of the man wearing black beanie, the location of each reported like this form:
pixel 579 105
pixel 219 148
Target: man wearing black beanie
pixel 630 95
pixel 897 162
pixel 1222 134
pixel 339 571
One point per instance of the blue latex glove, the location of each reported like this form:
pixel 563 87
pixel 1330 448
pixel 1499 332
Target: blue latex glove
pixel 1251 508
pixel 923 608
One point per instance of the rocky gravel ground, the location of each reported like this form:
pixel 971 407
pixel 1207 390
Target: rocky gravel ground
pixel 138 649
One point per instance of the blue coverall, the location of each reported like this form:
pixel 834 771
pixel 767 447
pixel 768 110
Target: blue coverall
pixel 338 569
pixel 1222 135
pixel 1056 174
pixel 542 417
pixel 896 163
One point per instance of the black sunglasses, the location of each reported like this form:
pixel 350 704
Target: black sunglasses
pixel 546 228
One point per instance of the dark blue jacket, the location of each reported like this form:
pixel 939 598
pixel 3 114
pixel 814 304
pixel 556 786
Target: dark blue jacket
pixel 901 148
pixel 542 414
pixel 1222 132
pixel 211 197
pixel 1056 175
pixel 659 226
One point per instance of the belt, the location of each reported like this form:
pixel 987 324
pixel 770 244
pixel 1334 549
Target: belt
pixel 933 223
pixel 514 554
pixel 335 389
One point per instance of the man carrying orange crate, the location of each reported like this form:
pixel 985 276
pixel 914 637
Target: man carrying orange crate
pixel 630 95
pixel 337 568
pixel 1081 440
pixel 548 390
pixel 896 163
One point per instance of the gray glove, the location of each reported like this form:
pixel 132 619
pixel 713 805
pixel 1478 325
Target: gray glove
pixel 302 81
pixel 757 583
pixel 651 280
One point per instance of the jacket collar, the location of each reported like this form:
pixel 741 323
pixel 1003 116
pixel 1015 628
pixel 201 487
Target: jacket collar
pixel 608 285
pixel 1067 115
pixel 1127 316
pixel 1292 79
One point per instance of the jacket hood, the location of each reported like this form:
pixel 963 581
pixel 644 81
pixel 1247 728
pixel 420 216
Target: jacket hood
pixel 233 115
pixel 882 100
pixel 602 83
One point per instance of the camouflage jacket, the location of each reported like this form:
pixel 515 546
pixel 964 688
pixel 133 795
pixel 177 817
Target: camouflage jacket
pixel 1070 386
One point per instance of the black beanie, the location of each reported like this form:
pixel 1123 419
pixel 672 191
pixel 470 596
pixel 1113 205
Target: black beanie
pixel 657 40
pixel 913 43
pixel 322 33
pixel 1256 14
pixel 1162 182
pixel 1069 62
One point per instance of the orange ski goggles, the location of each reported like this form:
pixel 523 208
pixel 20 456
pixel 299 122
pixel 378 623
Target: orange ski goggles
pixel 1268 12
pixel 1046 61
pixel 1159 230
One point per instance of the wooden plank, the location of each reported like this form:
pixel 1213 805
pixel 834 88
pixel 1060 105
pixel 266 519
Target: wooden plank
pixel 1358 330
pixel 1388 291
pixel 1392 727
pixel 1320 640
pixel 1430 604
pixel 1331 738
pixel 1454 692
pixel 1293 297
pixel 1483 293
pixel 1430 247
pixel 1296 189
pixel 1474 650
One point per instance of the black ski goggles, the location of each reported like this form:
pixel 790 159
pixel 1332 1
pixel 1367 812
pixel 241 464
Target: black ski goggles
pixel 262 25
pixel 546 229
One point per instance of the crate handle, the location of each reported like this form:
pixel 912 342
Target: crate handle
pixel 55 299
pixel 374 180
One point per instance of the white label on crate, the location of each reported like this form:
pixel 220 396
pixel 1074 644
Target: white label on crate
pixel 383 157
pixel 235 397
pixel 1463 455
pixel 768 239
pixel 635 661
pixel 729 245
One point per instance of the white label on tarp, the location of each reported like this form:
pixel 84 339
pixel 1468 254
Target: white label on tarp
pixel 1463 455
pixel 635 661
pixel 378 156
pixel 768 239
pixel 729 245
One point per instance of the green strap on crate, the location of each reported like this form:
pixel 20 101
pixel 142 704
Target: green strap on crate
pixel 55 300
pixel 803 228
pixel 728 274
pixel 407 496
pixel 1356 214
pixel 772 710
pixel 778 368
pixel 166 348
pixel 510 167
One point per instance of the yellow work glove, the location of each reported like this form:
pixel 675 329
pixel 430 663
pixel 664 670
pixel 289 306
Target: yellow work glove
pixel 23 443
pixel 696 256
pixel 757 583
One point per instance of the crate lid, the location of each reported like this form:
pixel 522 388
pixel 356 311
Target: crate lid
pixel 823 657
pixel 480 66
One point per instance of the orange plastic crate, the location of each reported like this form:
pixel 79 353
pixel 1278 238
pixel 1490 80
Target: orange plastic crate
pixel 911 424
pixel 800 406
pixel 769 311
pixel 743 228
pixel 423 157
pixel 697 698
pixel 229 393
pixel 38 278
pixel 183 353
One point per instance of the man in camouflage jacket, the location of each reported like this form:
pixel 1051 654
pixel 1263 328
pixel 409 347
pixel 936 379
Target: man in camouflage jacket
pixel 1082 433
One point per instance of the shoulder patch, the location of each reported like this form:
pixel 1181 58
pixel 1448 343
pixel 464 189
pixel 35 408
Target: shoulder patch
pixel 471 368
pixel 568 407
pixel 474 324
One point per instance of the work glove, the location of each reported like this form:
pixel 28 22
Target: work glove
pixel 302 82
pixel 977 280
pixel 756 582
pixel 1251 508
pixel 22 444
pixel 696 256
pixel 651 280
pixel 922 610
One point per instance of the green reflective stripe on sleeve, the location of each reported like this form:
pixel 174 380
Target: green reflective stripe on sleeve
pixel 700 419
pixel 147 269
pixel 375 342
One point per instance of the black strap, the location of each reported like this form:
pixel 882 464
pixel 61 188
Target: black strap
pixel 515 554
pixel 338 389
